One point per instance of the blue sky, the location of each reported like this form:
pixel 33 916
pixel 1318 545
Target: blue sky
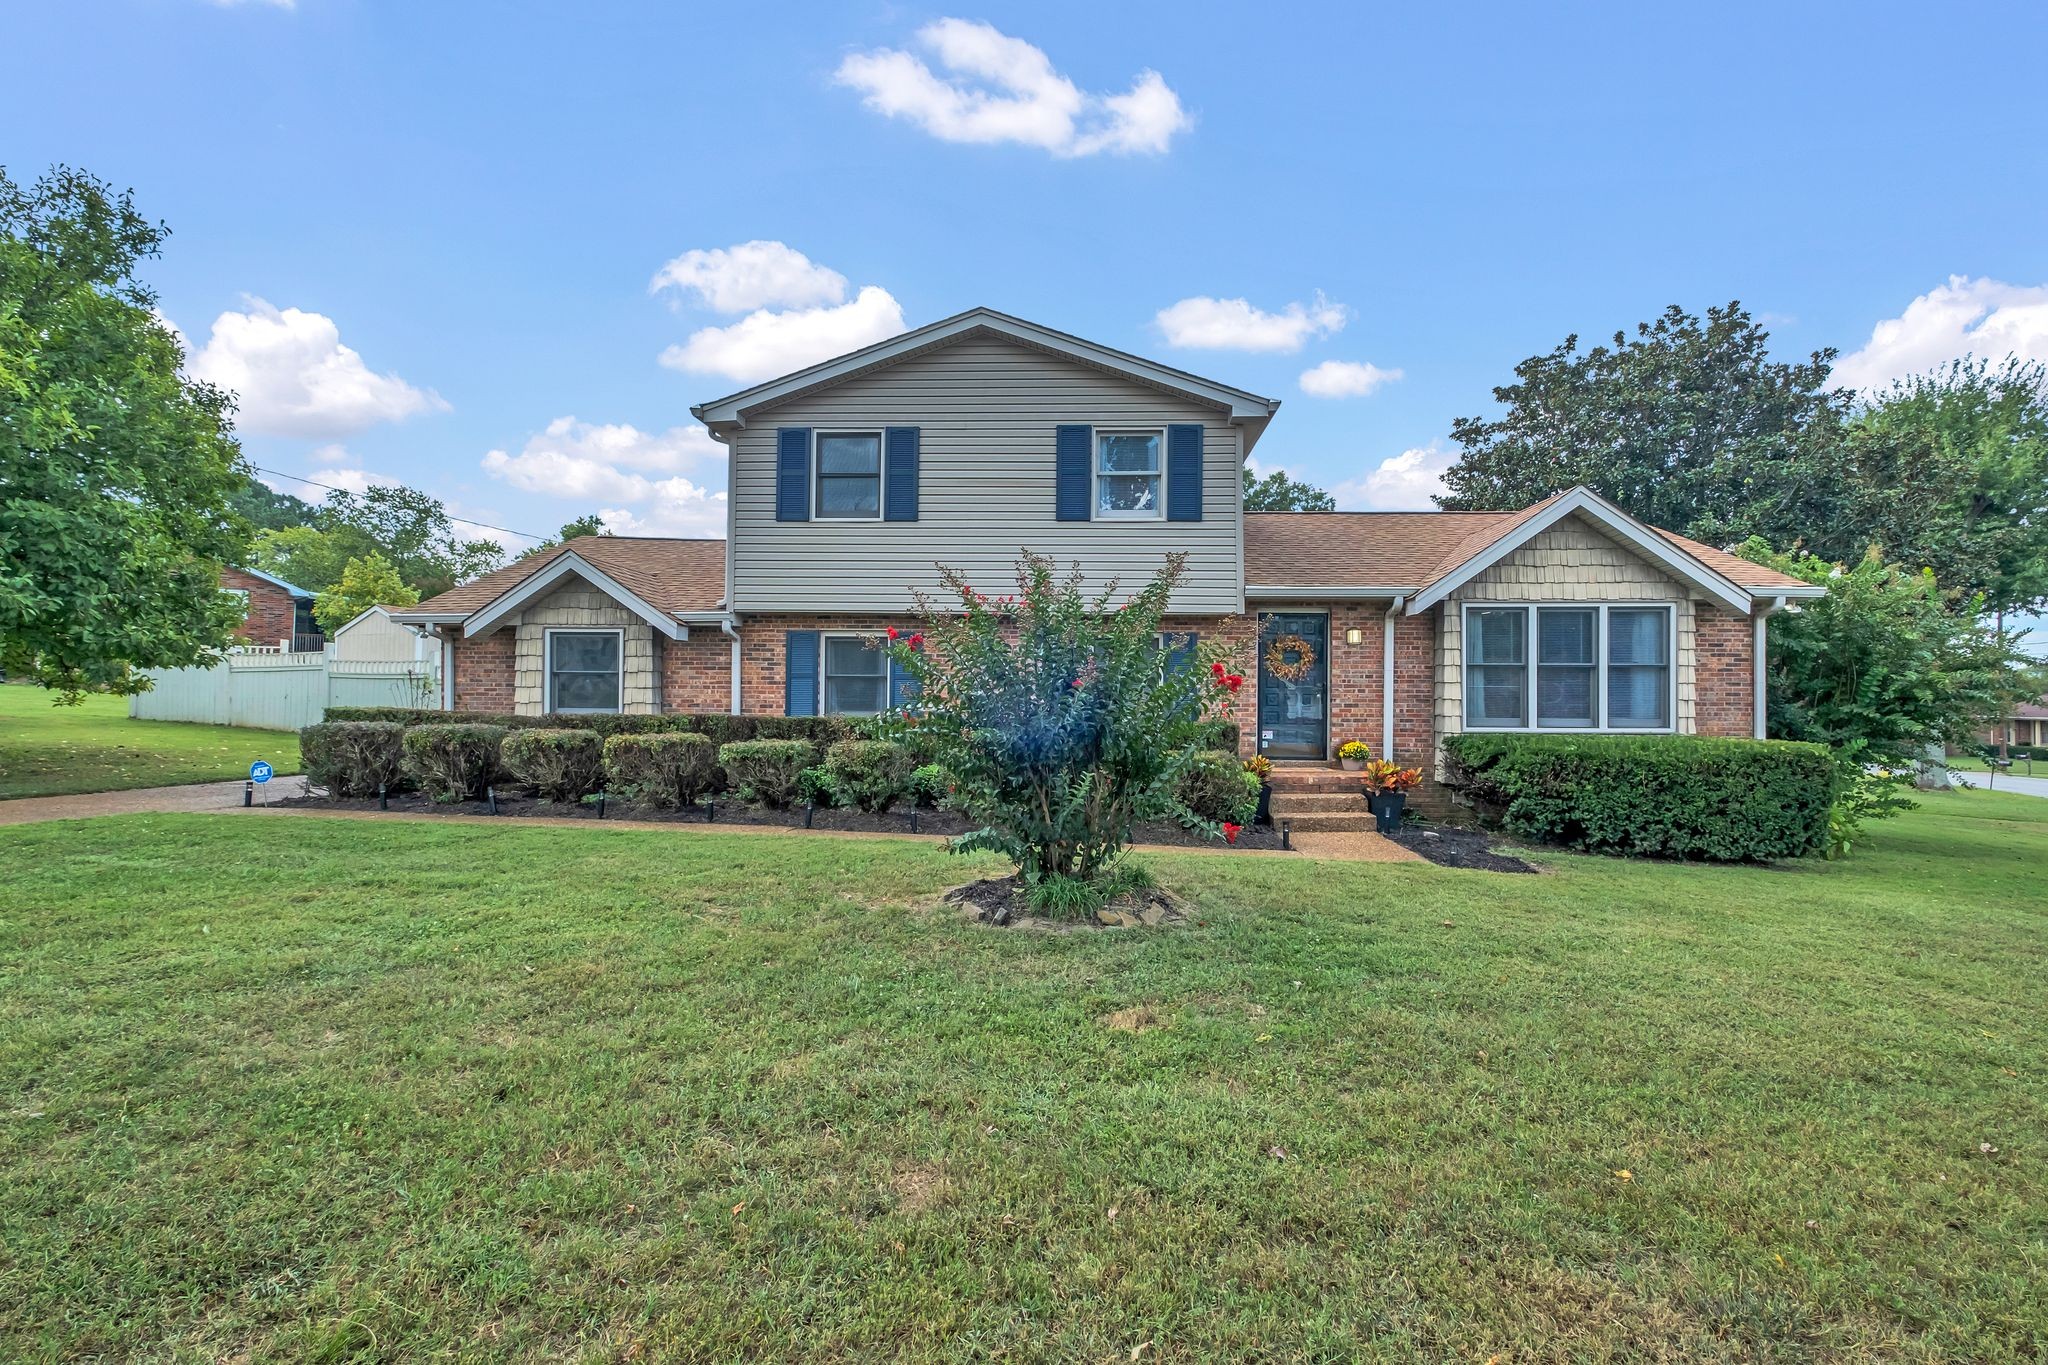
pixel 422 238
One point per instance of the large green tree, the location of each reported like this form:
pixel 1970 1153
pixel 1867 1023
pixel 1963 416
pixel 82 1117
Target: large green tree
pixel 1278 493
pixel 1688 424
pixel 589 524
pixel 269 510
pixel 364 583
pixel 409 529
pixel 117 472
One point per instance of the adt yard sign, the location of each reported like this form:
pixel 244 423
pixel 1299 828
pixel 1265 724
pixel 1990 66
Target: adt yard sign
pixel 259 771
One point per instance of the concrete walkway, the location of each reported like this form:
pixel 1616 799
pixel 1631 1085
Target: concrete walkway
pixel 195 796
pixel 225 798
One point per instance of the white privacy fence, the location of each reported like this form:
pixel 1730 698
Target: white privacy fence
pixel 282 691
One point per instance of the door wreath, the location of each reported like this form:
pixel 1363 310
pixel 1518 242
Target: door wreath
pixel 1289 658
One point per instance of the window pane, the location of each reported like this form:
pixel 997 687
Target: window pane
pixel 586 692
pixel 586 653
pixel 1564 696
pixel 1637 635
pixel 849 497
pixel 1494 694
pixel 854 696
pixel 1127 492
pixel 849 454
pixel 1497 635
pixel 1565 637
pixel 845 654
pixel 1128 454
pixel 1636 695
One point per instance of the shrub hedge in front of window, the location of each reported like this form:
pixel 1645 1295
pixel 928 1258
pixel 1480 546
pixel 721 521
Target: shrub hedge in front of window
pixel 560 765
pixel 768 771
pixel 453 762
pixel 354 758
pixel 874 774
pixel 661 770
pixel 1653 796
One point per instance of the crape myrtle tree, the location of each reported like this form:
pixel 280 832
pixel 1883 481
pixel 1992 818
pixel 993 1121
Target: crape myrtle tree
pixel 1061 715
pixel 118 474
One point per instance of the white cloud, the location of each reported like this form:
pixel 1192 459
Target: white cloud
pixel 584 463
pixel 345 476
pixel 1003 89
pixel 739 279
pixel 295 378
pixel 1982 317
pixel 1234 325
pixel 1401 483
pixel 1345 379
pixel 764 344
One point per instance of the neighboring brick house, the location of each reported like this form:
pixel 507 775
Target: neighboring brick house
pixel 2027 726
pixel 279 615
pixel 963 442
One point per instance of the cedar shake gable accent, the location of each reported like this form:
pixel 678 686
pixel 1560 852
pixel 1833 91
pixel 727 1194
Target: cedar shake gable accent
pixel 675 577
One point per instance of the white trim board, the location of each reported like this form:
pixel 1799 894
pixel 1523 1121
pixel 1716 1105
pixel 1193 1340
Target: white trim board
pixel 565 566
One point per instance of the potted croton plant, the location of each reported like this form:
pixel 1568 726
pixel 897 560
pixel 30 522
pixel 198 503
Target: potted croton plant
pixel 1353 753
pixel 1385 784
pixel 1261 767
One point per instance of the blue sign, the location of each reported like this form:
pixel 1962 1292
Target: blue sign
pixel 259 771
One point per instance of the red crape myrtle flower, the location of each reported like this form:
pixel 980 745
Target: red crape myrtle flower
pixel 917 640
pixel 1230 832
pixel 892 632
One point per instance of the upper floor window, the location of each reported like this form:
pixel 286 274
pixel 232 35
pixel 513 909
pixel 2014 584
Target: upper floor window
pixel 1128 483
pixel 583 670
pixel 849 468
pixel 1594 666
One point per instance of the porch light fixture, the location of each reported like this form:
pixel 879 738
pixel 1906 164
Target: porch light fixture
pixel 1354 636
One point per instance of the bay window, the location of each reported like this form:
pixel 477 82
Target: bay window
pixel 1591 666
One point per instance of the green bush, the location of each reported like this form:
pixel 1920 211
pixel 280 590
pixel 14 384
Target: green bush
pixel 354 758
pixel 815 786
pixel 929 785
pixel 768 771
pixel 1661 796
pixel 873 773
pixel 560 765
pixel 717 726
pixel 1218 789
pixel 453 762
pixel 661 770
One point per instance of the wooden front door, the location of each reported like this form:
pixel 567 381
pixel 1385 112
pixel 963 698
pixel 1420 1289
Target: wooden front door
pixel 1294 684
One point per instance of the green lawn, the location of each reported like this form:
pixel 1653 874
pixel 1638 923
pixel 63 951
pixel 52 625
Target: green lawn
pixel 49 750
pixel 289 1088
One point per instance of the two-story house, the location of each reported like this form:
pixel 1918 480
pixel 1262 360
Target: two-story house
pixel 965 441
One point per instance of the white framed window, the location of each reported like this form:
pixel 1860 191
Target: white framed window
pixel 1130 480
pixel 585 669
pixel 847 482
pixel 856 675
pixel 1570 666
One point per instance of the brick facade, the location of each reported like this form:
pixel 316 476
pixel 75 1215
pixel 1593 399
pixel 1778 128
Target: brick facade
pixel 484 671
pixel 696 674
pixel 1724 680
pixel 763 643
pixel 272 610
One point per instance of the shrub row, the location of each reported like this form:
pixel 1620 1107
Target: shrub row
pixel 457 761
pixel 1661 796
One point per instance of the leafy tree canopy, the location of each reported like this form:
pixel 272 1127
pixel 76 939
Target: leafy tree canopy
pixel 408 529
pixel 269 510
pixel 117 473
pixel 1688 424
pixel 589 524
pixel 365 583
pixel 1278 493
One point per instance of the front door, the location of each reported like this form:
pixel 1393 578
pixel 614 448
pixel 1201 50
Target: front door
pixel 1294 684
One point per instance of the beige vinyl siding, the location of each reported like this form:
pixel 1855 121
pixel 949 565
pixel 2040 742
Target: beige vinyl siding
pixel 1571 562
pixel 987 409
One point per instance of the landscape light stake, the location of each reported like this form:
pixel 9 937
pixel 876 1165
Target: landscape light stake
pixel 710 811
pixel 248 793
pixel 1286 832
pixel 600 804
pixel 382 802
pixel 913 819
pixel 491 794
pixel 809 811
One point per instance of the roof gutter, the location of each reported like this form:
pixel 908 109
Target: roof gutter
pixel 1349 593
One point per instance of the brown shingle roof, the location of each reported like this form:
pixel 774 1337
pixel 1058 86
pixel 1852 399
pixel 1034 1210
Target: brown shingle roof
pixel 1413 549
pixel 669 575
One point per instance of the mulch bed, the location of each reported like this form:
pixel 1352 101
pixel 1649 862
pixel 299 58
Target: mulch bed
pixel 1004 903
pixel 1457 846
pixel 734 812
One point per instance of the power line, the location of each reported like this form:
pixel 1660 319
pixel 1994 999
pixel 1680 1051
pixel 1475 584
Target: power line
pixel 310 483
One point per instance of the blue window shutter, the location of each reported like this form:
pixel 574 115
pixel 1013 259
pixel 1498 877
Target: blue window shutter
pixel 902 687
pixel 899 474
pixel 800 674
pixel 1073 456
pixel 793 476
pixel 1184 473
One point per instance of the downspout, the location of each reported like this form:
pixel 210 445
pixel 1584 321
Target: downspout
pixel 728 625
pixel 1757 659
pixel 447 672
pixel 1387 680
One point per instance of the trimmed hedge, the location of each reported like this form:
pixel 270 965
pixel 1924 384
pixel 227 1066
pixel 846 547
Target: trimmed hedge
pixel 661 770
pixel 354 758
pixel 560 765
pixel 1218 789
pixel 769 771
pixel 1653 796
pixel 453 762
pixel 716 725
pixel 873 774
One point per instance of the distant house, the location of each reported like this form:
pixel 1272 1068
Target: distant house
pixel 372 636
pixel 279 615
pixel 964 441
pixel 2027 726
